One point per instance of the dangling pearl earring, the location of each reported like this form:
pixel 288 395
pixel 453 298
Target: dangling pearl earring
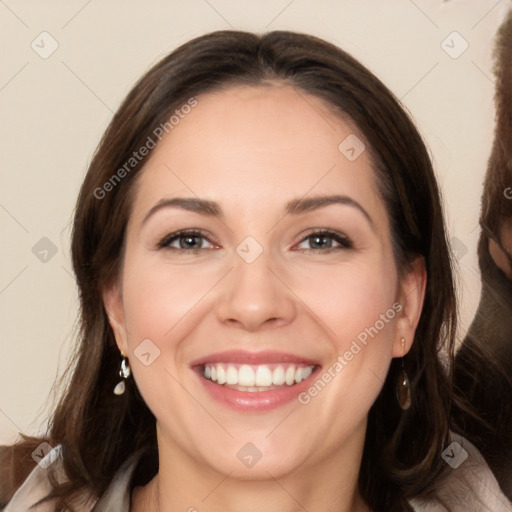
pixel 403 389
pixel 124 373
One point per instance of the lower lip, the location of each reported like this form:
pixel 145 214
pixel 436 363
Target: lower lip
pixel 258 400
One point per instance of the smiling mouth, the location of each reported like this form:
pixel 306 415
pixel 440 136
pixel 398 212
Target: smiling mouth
pixel 256 378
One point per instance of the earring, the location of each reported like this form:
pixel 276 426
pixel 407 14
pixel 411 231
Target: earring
pixel 124 373
pixel 403 389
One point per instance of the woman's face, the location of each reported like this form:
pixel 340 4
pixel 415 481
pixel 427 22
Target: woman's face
pixel 283 272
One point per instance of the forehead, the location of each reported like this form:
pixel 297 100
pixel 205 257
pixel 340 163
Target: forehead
pixel 270 143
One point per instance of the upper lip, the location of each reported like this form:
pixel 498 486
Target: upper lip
pixel 254 358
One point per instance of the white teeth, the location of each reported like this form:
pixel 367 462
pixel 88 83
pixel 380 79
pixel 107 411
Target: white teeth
pixel 231 375
pixel 278 376
pixel 256 378
pixel 306 372
pixel 246 376
pixel 290 375
pixel 221 375
pixel 263 376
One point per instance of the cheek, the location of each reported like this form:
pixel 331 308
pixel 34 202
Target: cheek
pixel 351 299
pixel 158 296
pixel 160 301
pixel 358 307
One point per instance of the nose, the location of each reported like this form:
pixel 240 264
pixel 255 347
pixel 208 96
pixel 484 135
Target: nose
pixel 255 296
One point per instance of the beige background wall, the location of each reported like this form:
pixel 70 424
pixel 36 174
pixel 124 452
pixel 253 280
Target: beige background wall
pixel 54 108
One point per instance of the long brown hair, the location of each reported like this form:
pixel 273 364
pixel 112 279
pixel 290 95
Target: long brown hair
pixel 99 431
pixel 483 366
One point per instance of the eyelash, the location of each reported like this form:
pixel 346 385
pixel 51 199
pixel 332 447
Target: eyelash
pixel 343 240
pixel 167 240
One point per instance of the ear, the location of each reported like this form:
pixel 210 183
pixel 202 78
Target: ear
pixel 412 295
pixel 113 303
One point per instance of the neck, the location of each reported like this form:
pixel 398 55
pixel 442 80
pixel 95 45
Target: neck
pixel 184 485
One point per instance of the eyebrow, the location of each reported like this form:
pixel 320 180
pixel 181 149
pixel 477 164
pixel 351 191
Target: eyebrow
pixel 201 206
pixel 294 207
pixel 304 205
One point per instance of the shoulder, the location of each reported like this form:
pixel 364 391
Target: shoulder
pixel 37 485
pixel 469 487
